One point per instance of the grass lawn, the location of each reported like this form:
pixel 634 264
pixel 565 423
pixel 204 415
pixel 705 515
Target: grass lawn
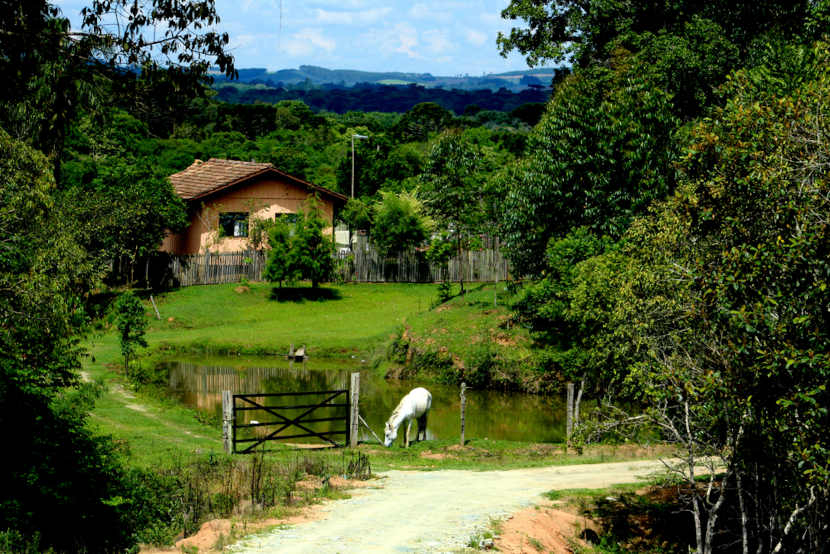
pixel 243 319
pixel 156 430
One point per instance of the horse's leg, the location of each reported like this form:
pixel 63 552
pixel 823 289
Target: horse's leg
pixel 422 425
pixel 406 437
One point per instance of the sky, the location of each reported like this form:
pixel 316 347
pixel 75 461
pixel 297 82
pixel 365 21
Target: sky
pixel 442 37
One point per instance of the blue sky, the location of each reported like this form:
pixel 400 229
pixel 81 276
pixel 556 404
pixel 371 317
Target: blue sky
pixel 443 37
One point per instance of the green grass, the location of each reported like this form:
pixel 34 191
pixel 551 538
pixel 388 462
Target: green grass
pixel 475 331
pixel 218 319
pixel 157 429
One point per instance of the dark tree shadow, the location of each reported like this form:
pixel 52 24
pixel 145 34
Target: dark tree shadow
pixel 301 294
pixel 645 522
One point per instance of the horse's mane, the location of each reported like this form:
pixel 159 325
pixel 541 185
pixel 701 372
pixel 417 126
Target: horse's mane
pixel 397 410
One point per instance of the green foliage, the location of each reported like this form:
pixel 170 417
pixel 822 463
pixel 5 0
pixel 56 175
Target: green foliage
pixel 279 240
pixel 357 214
pixel 380 164
pixel 421 120
pixel 601 154
pixel 125 211
pixel 571 30
pixel 53 69
pixel 724 290
pixel 454 188
pixel 544 306
pixel 444 291
pixel 399 223
pixel 131 323
pixel 300 251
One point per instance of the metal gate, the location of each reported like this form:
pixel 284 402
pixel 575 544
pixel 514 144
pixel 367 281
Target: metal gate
pixel 287 420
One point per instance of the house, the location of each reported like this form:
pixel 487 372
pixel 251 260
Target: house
pixel 223 196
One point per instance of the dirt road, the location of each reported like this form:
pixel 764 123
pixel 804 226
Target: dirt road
pixel 434 511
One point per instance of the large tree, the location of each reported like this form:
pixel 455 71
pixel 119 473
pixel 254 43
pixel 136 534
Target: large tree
pixel 300 250
pixel 584 32
pixel 62 481
pixel 726 294
pixel 453 189
pixel 50 69
pixel 600 155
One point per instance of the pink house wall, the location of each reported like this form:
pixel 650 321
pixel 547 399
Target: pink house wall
pixel 262 198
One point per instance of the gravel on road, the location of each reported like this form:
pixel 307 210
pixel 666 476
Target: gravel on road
pixel 434 511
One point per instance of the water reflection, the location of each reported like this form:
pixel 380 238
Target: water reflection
pixel 491 414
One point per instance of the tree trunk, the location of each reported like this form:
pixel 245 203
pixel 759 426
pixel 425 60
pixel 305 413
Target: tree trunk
pixel 741 505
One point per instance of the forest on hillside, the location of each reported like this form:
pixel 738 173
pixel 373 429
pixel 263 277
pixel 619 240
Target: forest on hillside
pixel 368 97
pixel 667 208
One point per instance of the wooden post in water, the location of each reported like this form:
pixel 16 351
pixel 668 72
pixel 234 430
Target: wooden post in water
pixel 569 411
pixel 463 410
pixel 227 421
pixel 354 409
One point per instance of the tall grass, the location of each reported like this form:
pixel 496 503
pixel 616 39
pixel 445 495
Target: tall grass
pixel 176 500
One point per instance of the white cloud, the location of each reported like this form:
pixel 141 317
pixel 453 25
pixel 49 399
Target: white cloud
pixel 437 42
pixel 476 38
pixel 362 17
pixel 494 19
pixel 306 41
pixel 438 13
pixel 402 38
pixel 244 41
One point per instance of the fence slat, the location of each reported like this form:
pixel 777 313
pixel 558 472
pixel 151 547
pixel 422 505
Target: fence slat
pixel 365 265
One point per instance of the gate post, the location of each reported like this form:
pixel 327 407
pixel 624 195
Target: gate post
pixel 569 412
pixel 463 409
pixel 354 411
pixel 227 421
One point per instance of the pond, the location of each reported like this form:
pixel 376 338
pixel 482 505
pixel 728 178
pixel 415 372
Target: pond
pixel 490 414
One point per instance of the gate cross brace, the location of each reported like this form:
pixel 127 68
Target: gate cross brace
pixel 363 421
pixel 289 422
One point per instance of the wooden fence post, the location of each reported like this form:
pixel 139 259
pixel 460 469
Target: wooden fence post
pixel 354 409
pixel 227 421
pixel 569 411
pixel 463 410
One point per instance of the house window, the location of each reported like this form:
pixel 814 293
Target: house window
pixel 290 219
pixel 234 224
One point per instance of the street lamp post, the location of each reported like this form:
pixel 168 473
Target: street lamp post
pixel 359 137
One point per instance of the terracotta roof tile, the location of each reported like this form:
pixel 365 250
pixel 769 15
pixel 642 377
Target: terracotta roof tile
pixel 203 178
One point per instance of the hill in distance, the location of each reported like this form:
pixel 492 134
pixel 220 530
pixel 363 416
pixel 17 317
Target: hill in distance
pixel 320 76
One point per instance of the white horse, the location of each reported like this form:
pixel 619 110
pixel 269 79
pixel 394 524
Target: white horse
pixel 414 405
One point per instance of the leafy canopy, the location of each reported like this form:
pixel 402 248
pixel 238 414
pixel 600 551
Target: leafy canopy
pixel 300 250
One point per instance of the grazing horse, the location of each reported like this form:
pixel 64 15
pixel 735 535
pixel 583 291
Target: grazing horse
pixel 414 405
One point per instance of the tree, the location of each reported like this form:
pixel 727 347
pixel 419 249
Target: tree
pixel 583 32
pixel 132 324
pixel 279 237
pixel 125 211
pixel 454 191
pixel 357 214
pixel 51 69
pixel 399 223
pixel 62 481
pixel 421 120
pixel 301 251
pixel 601 154
pixel 729 303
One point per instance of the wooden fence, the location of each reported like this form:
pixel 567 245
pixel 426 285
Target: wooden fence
pixel 365 265
pixel 211 269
